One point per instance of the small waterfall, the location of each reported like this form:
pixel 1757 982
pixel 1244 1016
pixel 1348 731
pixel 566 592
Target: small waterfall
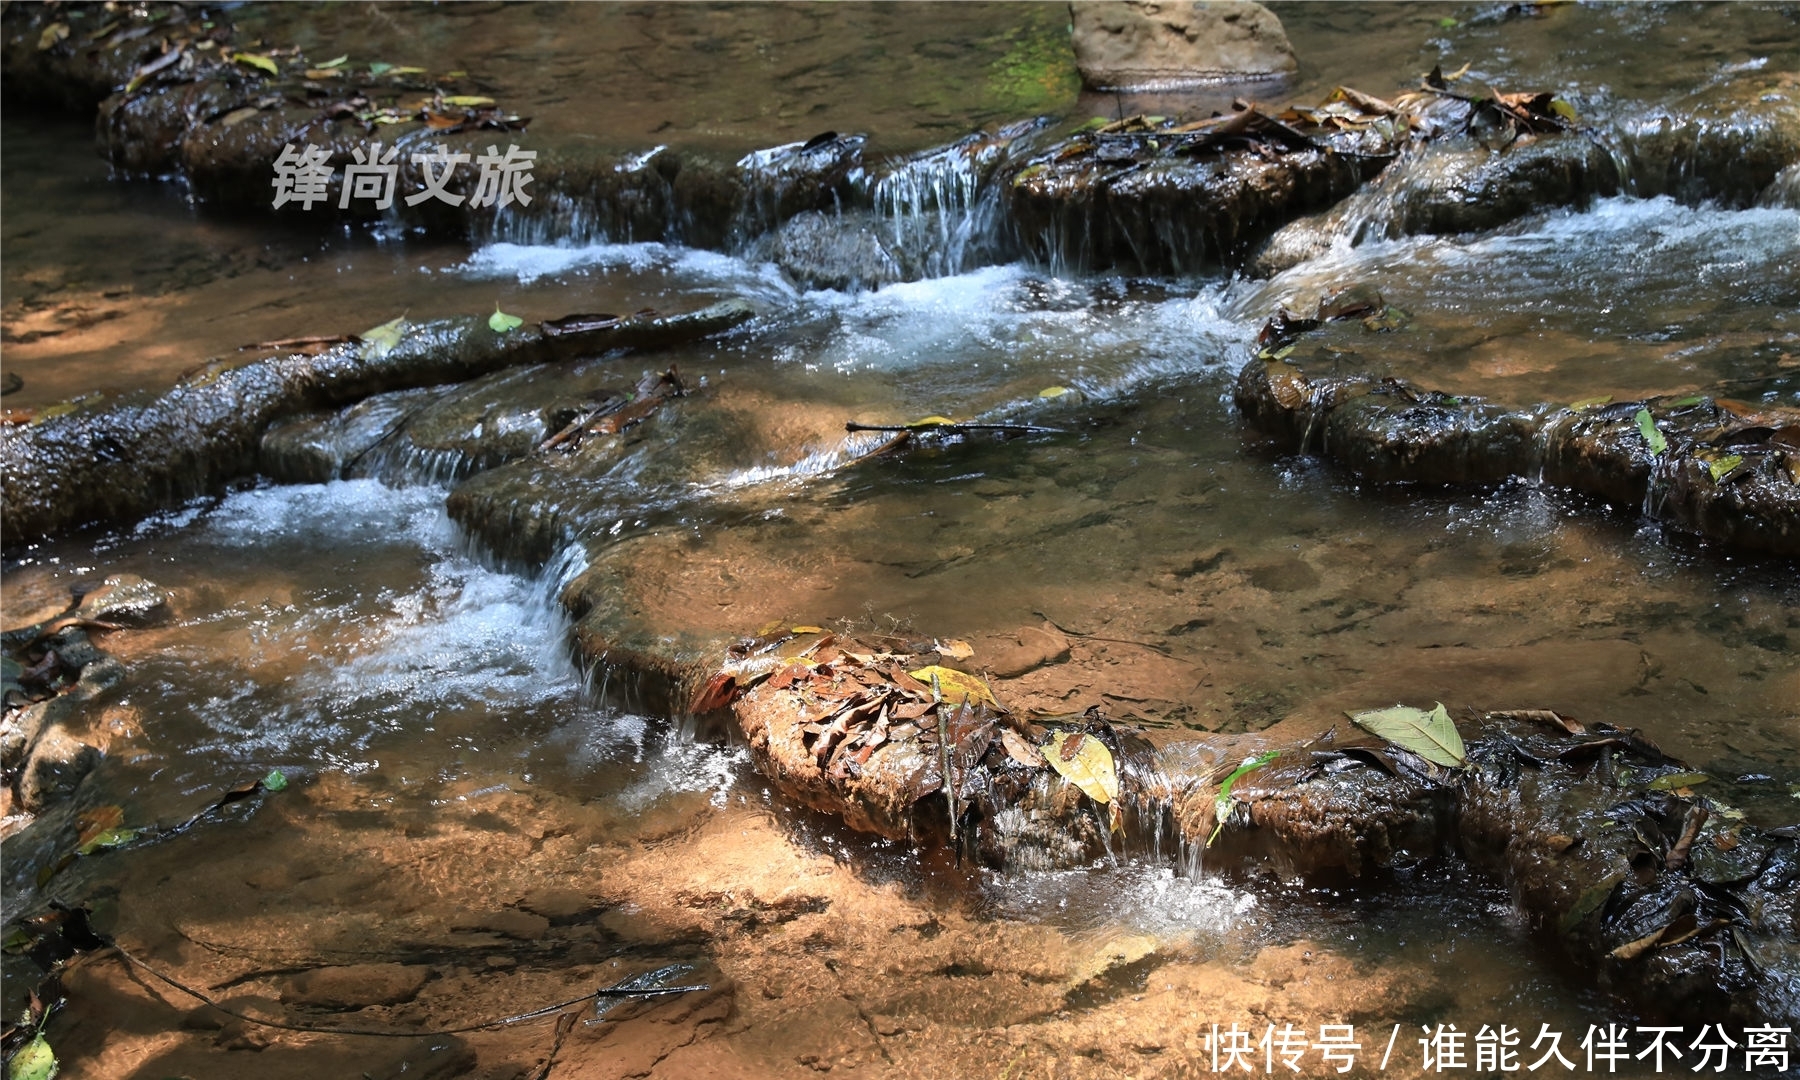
pixel 940 214
pixel 936 211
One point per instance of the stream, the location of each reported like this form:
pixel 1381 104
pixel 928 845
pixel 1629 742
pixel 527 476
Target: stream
pixel 475 806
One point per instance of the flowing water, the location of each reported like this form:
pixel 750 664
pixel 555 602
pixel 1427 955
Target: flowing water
pixel 450 761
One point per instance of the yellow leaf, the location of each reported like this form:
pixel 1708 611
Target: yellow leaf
pixel 468 101
pixel 52 34
pixel 407 71
pixel 806 629
pixel 1053 391
pixel 956 685
pixel 1085 762
pixel 381 340
pixel 931 421
pixel 256 60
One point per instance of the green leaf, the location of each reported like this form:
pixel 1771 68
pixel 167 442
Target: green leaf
pixel 1564 110
pixel 35 1062
pixel 1646 425
pixel 1448 23
pixel 256 60
pixel 335 62
pixel 1084 761
pixel 1691 399
pixel 1051 392
pixel 1222 805
pixel 1590 403
pixel 500 322
pixel 380 341
pixel 468 101
pixel 378 68
pixel 1678 780
pixel 109 838
pixel 1722 468
pixel 407 71
pixel 18 940
pixel 1431 735
pixel 275 781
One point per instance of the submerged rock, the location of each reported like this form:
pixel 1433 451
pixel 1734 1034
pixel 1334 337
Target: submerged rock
pixel 1162 45
pixel 58 764
pixel 1724 470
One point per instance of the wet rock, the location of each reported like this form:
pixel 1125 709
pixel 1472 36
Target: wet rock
pixel 316 447
pixel 1728 143
pixel 1450 186
pixel 1725 473
pixel 356 986
pixel 831 251
pixel 117 461
pixel 58 764
pixel 1169 44
pixel 126 599
pixel 1783 191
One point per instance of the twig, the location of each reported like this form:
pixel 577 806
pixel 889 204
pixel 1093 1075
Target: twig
pixel 953 428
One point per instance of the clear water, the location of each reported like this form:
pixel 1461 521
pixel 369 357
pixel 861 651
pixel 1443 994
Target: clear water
pixel 349 635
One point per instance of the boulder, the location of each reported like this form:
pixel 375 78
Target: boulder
pixel 1157 45
pixel 59 763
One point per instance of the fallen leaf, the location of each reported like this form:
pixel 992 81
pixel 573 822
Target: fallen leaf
pixel 1646 425
pixel 806 629
pixel 931 422
pixel 1723 467
pixel 98 820
pixel 256 60
pixel 955 685
pixel 1084 761
pixel 378 68
pixel 1590 403
pixel 468 101
pixel 238 116
pixel 1021 750
pixel 407 71
pixel 1564 110
pixel 955 649
pixel 1431 735
pixel 275 781
pixel 381 340
pixel 1678 780
pixel 52 34
pixel 35 1062
pixel 323 73
pixel 1222 805
pixel 1053 391
pixel 108 839
pixel 500 322
pixel 336 61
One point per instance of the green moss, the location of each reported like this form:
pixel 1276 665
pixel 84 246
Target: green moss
pixel 1037 72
